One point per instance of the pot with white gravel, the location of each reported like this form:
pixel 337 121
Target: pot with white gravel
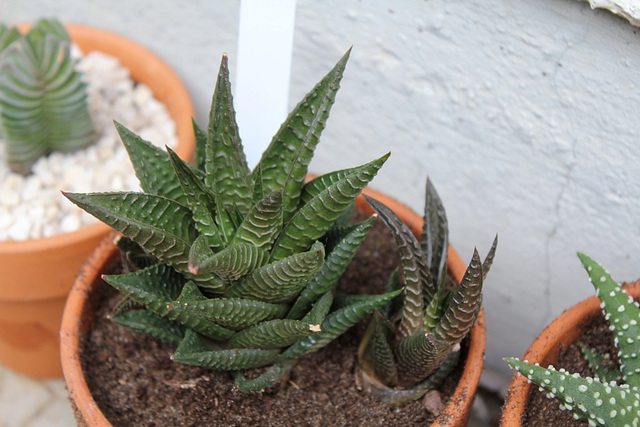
pixel 41 246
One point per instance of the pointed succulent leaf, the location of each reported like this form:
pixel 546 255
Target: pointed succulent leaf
pixel 335 264
pixel 318 184
pixel 155 287
pixel 336 323
pixel 598 363
pixel 273 334
pixel 263 222
pixel 152 166
pixel 488 260
pixel 284 163
pixel 146 322
pixel 226 167
pixel 42 98
pixel 234 261
pixel 199 199
pixel 589 398
pixel 413 267
pixel 394 308
pixel 271 376
pixel 623 315
pixel 234 313
pixel 419 355
pixel 198 253
pixel 435 234
pixel 433 312
pixel 313 219
pixel 280 281
pixel 465 303
pixel 320 309
pixel 375 354
pixel 200 146
pixel 151 287
pixel 193 351
pixel 160 225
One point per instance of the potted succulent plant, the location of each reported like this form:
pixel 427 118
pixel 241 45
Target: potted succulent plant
pixel 236 270
pixel 40 116
pixel 413 343
pixel 605 391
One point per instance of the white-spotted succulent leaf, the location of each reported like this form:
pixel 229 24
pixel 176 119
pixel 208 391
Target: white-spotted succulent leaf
pixel 404 350
pixel 43 101
pixel 599 400
pixel 239 266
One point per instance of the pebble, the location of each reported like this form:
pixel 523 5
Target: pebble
pixel 32 207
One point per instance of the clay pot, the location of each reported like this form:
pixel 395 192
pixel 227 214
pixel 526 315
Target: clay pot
pixel 37 274
pixel 565 330
pixel 79 314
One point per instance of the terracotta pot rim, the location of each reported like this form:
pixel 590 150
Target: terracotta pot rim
pixel 182 118
pixel 564 329
pixel 455 413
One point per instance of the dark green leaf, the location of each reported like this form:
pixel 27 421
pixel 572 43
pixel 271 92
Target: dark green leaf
pixel 263 222
pixel 284 163
pixel 273 334
pixel 148 323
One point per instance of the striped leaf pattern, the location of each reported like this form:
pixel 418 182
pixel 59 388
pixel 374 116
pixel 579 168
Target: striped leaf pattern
pixel 323 210
pixel 335 264
pixel 160 225
pixel 284 163
pixel 280 281
pixel 234 261
pixel 273 334
pixel 336 323
pixel 465 303
pixel 152 166
pixel 146 322
pixel 263 222
pixel 413 264
pixel 227 173
pixel 429 321
pixel 43 101
pixel 192 351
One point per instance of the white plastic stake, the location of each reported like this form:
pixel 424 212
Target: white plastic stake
pixel 265 43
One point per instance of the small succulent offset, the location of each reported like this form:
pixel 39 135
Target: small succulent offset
pixel 43 101
pixel 611 397
pixel 237 268
pixel 412 344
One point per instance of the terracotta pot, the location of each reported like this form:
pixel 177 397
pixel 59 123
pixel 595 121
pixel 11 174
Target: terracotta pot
pixel 79 314
pixel 37 274
pixel 565 330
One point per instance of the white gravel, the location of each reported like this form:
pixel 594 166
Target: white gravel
pixel 32 207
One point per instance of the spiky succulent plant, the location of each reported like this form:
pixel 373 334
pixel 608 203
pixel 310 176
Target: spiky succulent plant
pixel 238 268
pixel 611 397
pixel 412 344
pixel 43 101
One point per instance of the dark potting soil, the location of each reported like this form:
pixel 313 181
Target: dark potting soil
pixel 134 382
pixel 543 411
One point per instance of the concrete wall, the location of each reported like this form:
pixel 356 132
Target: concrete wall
pixel 524 113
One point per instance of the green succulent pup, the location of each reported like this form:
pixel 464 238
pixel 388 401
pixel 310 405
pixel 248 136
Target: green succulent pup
pixel 43 102
pixel 237 267
pixel 412 344
pixel 610 398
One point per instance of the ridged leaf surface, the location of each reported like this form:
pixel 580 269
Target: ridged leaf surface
pixel 160 225
pixel 193 351
pixel 285 162
pixel 146 322
pixel 465 303
pixel 313 219
pixel 263 222
pixel 273 334
pixel 413 267
pixel 227 173
pixel 280 281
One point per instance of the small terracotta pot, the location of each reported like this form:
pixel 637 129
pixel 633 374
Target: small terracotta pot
pixel 565 330
pixel 80 308
pixel 36 275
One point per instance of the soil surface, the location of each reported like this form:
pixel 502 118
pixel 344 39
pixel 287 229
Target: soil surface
pixel 134 381
pixel 543 411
